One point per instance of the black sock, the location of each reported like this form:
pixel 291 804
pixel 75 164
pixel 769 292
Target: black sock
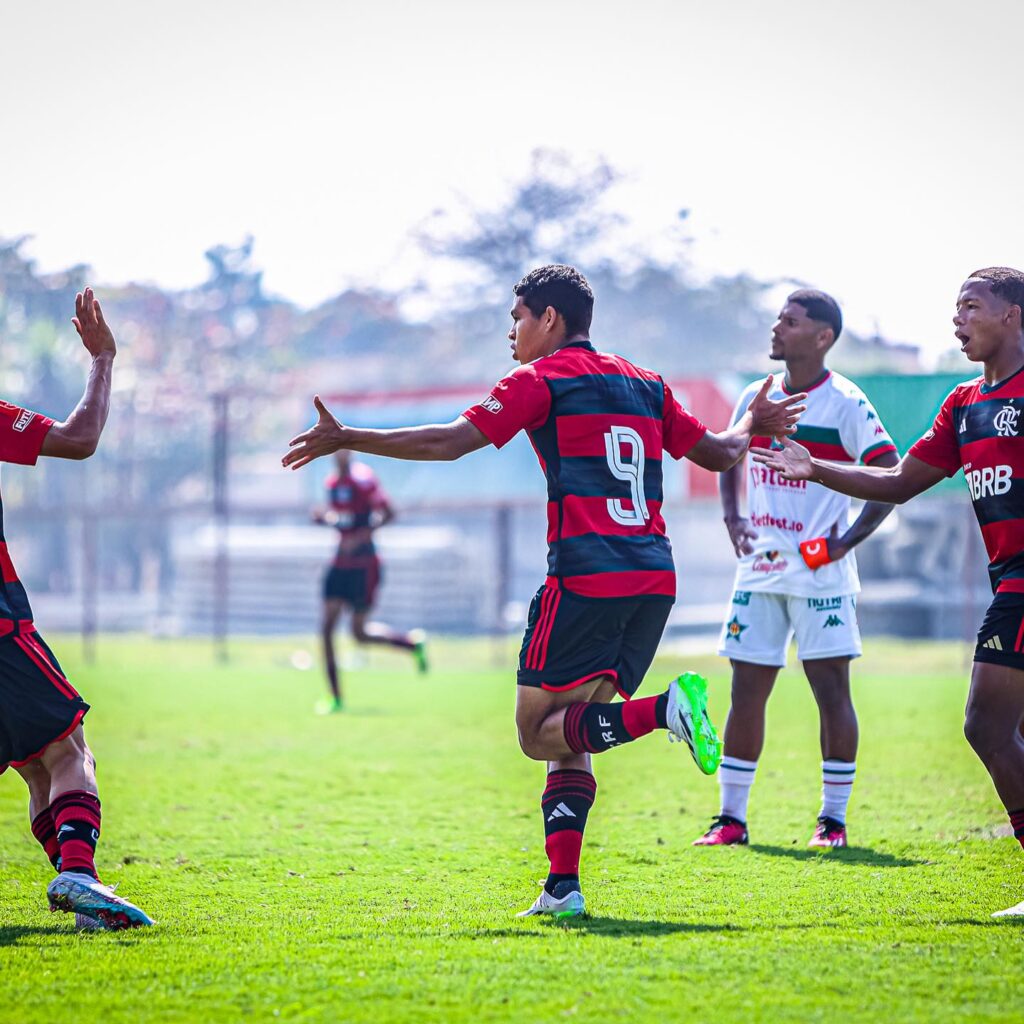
pixel 568 797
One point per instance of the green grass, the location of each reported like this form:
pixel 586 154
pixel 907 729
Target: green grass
pixel 366 867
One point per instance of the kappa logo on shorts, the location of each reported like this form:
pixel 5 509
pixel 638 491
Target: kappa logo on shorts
pixel 491 404
pixel 993 643
pixel 833 620
pixel 23 420
pixel 734 629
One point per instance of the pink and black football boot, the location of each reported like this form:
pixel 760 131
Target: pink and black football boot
pixel 724 831
pixel 830 834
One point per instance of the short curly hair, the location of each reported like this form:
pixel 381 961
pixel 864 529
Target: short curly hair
pixel 821 307
pixel 565 289
pixel 1005 282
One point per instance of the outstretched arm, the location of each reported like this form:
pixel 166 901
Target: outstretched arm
pixel 763 418
pixel 436 442
pixel 78 436
pixel 892 485
pixel 872 515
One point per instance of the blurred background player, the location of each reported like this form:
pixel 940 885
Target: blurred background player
pixel 979 428
pixel 356 507
pixel 797 572
pixel 41 714
pixel 599 426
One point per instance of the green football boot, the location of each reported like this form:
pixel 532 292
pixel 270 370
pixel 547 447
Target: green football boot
pixel 688 721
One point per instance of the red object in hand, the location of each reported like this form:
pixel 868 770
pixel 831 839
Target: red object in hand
pixel 815 552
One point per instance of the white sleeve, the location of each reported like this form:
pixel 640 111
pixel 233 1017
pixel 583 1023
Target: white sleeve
pixel 861 431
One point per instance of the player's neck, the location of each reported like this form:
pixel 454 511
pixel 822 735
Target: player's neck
pixel 801 375
pixel 1005 363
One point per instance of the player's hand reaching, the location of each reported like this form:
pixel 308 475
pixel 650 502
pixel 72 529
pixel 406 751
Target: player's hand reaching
pixel 325 437
pixel 742 535
pixel 792 460
pixel 774 419
pixel 92 328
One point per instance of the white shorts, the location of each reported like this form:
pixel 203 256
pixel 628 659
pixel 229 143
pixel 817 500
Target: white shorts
pixel 759 627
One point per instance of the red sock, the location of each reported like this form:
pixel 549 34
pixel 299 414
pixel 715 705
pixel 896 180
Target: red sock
pixel 1017 824
pixel 566 802
pixel 76 816
pixel 45 832
pixel 640 716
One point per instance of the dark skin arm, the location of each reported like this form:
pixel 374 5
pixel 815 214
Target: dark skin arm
pixel 763 418
pixel 872 515
pixel 893 485
pixel 435 442
pixel 78 436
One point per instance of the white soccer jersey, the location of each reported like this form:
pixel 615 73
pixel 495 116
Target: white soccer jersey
pixel 841 425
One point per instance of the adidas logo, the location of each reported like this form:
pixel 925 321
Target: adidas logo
pixel 561 811
pixel 993 643
pixel 65 828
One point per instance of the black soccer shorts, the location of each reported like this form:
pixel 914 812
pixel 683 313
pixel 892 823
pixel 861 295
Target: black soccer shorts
pixel 356 586
pixel 571 639
pixel 1001 637
pixel 38 706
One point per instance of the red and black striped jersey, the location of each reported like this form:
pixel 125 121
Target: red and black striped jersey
pixel 354 498
pixel 980 428
pixel 22 433
pixel 598 425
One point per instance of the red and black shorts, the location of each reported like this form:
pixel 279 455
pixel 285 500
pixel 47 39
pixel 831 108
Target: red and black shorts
pixel 354 584
pixel 571 639
pixel 1001 637
pixel 38 706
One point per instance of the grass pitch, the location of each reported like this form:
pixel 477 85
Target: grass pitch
pixel 366 867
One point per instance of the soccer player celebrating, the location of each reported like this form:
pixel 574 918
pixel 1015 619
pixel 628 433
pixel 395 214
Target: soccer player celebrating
pixel 978 428
pixel 797 572
pixel 357 505
pixel 599 425
pixel 41 714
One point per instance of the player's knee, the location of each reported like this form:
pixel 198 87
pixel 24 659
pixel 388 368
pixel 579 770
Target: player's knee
pixel 984 732
pixel 529 741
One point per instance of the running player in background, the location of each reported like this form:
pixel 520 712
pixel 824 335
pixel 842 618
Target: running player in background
pixel 979 428
pixel 797 572
pixel 599 426
pixel 356 507
pixel 41 735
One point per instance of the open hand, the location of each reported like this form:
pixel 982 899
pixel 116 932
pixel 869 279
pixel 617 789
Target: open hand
pixel 92 328
pixel 325 437
pixel 742 535
pixel 774 419
pixel 792 460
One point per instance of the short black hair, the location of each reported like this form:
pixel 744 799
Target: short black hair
pixel 565 289
pixel 821 307
pixel 1005 282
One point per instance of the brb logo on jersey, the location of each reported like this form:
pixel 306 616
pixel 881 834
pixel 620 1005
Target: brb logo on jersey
pixel 1005 421
pixel 989 481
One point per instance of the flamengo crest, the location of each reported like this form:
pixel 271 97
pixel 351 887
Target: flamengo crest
pixel 1005 421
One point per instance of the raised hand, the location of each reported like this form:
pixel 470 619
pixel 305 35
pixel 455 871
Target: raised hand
pixel 92 328
pixel 325 437
pixel 792 460
pixel 774 419
pixel 742 535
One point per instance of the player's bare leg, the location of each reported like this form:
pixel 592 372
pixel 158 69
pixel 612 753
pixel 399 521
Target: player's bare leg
pixel 75 807
pixel 994 727
pixel 366 632
pixel 331 613
pixel 744 740
pixel 830 684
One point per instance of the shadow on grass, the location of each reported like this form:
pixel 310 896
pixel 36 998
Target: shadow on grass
pixel 12 934
pixel 859 855
pixel 612 927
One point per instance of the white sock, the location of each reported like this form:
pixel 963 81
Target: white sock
pixel 735 777
pixel 836 786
